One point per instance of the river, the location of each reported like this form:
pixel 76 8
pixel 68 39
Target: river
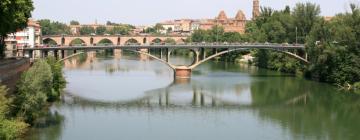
pixel 131 97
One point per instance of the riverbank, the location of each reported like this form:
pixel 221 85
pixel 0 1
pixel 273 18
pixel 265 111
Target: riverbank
pixel 35 91
pixel 11 69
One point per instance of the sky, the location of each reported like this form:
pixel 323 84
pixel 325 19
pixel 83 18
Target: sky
pixel 147 12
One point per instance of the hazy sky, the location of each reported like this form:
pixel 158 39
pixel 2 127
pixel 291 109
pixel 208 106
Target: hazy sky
pixel 143 12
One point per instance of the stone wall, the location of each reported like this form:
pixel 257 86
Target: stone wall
pixel 11 69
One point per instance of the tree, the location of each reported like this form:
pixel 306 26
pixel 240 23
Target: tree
pixel 158 27
pixel 122 30
pixel 305 16
pixel 100 30
pixel 33 90
pixel 232 37
pixel 334 50
pixel 14 15
pixel 74 22
pixel 169 30
pixel 59 81
pixel 9 128
pixel 49 27
pixel 87 30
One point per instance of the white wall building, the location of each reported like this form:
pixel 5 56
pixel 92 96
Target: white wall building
pixel 29 37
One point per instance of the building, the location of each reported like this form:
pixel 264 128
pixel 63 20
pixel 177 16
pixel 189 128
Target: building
pixel 180 26
pixel 236 24
pixel 29 37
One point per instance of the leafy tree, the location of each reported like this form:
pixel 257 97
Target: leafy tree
pixel 59 81
pixel 9 128
pixel 150 30
pixel 232 37
pixel 158 27
pixel 49 27
pixel 14 15
pixel 305 16
pixel 74 22
pixel 33 90
pixel 77 41
pixel 122 30
pixel 100 30
pixel 86 30
pixel 334 50
pixel 169 30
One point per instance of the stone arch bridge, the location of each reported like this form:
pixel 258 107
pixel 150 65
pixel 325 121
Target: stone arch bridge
pixel 114 39
pixel 164 52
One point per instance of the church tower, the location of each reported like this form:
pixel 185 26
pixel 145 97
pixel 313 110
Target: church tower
pixel 256 9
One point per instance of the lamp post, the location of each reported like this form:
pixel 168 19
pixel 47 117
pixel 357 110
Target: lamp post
pixel 296 29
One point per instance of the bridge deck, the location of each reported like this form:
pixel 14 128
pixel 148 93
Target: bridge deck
pixel 235 46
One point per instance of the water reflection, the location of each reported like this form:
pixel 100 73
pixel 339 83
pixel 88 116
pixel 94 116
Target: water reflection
pixel 123 96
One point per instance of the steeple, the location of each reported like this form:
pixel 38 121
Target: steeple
pixel 222 16
pixel 256 9
pixel 240 15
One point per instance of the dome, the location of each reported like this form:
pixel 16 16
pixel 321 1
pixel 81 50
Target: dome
pixel 240 15
pixel 222 16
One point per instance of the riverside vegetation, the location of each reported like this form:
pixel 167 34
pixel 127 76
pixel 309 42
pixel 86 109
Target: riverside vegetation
pixel 332 46
pixel 38 87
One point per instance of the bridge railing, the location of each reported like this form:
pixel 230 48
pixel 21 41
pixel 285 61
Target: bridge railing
pixel 185 44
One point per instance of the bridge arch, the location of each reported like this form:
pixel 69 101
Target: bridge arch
pixel 232 50
pixel 156 40
pixel 183 51
pixel 49 41
pixel 153 56
pixel 77 42
pixel 105 41
pixel 131 40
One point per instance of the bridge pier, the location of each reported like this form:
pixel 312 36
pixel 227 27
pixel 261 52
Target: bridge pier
pixel 62 54
pixel 56 54
pixel 182 73
pixel 44 54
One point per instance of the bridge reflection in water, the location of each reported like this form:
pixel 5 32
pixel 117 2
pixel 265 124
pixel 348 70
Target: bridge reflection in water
pixel 181 92
pixel 239 102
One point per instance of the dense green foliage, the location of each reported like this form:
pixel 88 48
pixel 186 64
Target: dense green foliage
pixel 120 30
pixel 38 86
pixel 155 30
pixel 33 90
pixel 87 30
pixel 331 46
pixel 74 22
pixel 10 128
pixel 335 56
pixel 14 15
pixel 217 34
pixel 49 27
pixel 100 30
pixel 59 81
